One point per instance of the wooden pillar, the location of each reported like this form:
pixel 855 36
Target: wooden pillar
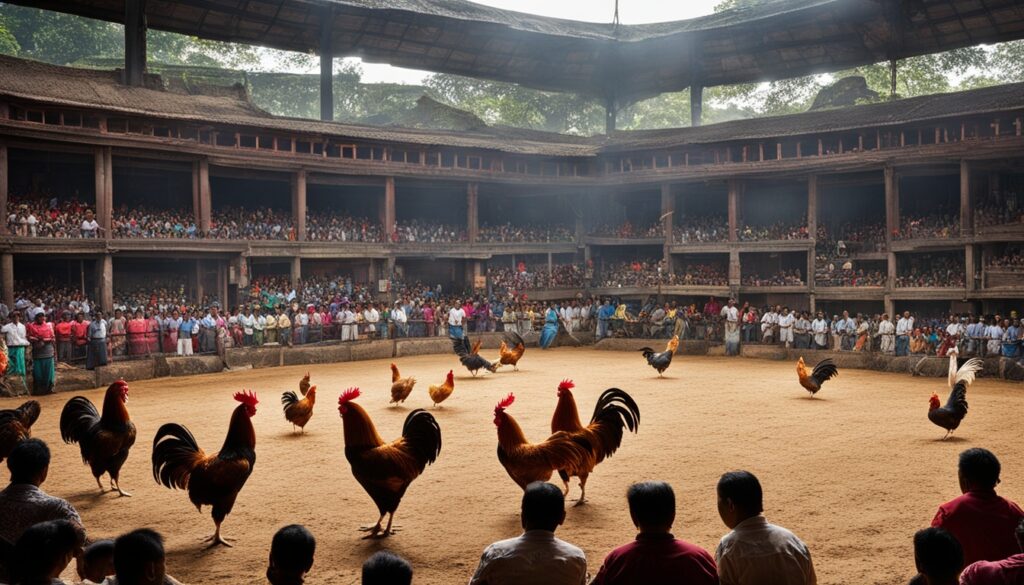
pixel 668 209
pixel 7 276
pixel 696 104
pixel 472 212
pixel 889 306
pixel 609 115
pixel 205 196
pixel 195 194
pixel 551 266
pixel 104 187
pixel 892 269
pixel 222 285
pixel 734 207
pixel 296 272
pixel 299 204
pixel 969 268
pixel 966 211
pixel 812 207
pixel 106 278
pixel 134 42
pixel 734 268
pixel 326 65
pixel 389 206
pixel 892 203
pixel 4 186
pixel 372 276
pixel 809 274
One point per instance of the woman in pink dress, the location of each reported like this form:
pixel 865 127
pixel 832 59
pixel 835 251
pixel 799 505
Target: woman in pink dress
pixel 136 329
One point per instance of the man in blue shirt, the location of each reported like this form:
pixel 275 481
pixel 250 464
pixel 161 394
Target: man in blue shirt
pixel 186 328
pixel 604 315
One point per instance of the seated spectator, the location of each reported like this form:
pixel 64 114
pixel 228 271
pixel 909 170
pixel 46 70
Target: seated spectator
pixel 936 225
pixel 97 562
pixel 656 557
pixel 756 552
pixel 386 568
pixel 938 557
pixel 22 503
pixel 982 521
pixel 44 550
pixel 291 555
pixel 139 560
pixel 536 556
pixel 1009 571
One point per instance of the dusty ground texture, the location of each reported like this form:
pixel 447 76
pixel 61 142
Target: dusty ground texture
pixel 853 472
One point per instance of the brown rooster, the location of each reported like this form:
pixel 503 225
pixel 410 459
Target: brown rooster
pixel 211 480
pixel 104 439
pixel 16 426
pixel 511 357
pixel 441 393
pixel 304 384
pixel 812 381
pixel 400 387
pixel 528 462
pixel 953 412
pixel 385 470
pixel 661 361
pixel 614 412
pixel 298 411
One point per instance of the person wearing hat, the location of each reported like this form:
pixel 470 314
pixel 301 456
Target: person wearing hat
pixel 42 337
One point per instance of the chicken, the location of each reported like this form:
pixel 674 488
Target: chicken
pixel 385 470
pixel 528 462
pixel 952 414
pixel 304 384
pixel 211 480
pixel 104 439
pixel 824 371
pixel 614 412
pixel 661 361
pixel 511 357
pixel 299 411
pixel 441 393
pixel 476 346
pixel 16 426
pixel 473 362
pixel 400 387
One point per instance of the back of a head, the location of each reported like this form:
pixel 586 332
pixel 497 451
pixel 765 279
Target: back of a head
pixel 28 460
pixel 744 490
pixel 386 568
pixel 543 506
pixel 135 555
pixel 980 467
pixel 938 554
pixel 292 550
pixel 97 561
pixel 1020 535
pixel 652 504
pixel 44 548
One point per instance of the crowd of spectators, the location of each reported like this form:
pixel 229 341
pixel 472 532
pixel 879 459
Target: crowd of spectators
pixel 842 240
pixel 930 226
pixel 1010 259
pixel 701 275
pixel 508 232
pixel 339 227
pixel 627 230
pixel 260 223
pixel 708 228
pixel 428 232
pixel 45 215
pixel 932 271
pixel 777 231
pixel 999 210
pixel 829 273
pixel 139 221
pixel 638 273
pixel 780 278
pixel 536 277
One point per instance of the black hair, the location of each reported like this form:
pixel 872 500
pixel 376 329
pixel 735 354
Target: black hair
pixel 98 550
pixel 292 549
pixel 1020 533
pixel 28 459
pixel 133 551
pixel 40 548
pixel 744 490
pixel 652 503
pixel 543 505
pixel 980 467
pixel 386 568
pixel 938 554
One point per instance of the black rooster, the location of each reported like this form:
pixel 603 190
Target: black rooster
pixel 474 362
pixel 661 361
pixel 952 414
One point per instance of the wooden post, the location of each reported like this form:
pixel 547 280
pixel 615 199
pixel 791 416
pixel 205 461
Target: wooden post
pixel 134 42
pixel 106 283
pixel 734 195
pixel 609 115
pixel 472 212
pixel 205 196
pixel 296 270
pixel 104 187
pixel 696 104
pixel 4 186
pixel 734 268
pixel 891 269
pixel 812 208
pixel 7 276
pixel 969 267
pixel 389 206
pixel 326 66
pixel 966 211
pixel 892 203
pixel 200 289
pixel 299 204
pixel 222 286
pixel 668 209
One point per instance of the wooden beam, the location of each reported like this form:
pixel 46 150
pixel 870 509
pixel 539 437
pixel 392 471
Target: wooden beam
pixel 966 211
pixel 4 187
pixel 326 66
pixel 299 204
pixel 134 42
pixel 696 104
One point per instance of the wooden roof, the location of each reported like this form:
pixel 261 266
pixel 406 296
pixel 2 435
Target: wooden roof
pixel 781 39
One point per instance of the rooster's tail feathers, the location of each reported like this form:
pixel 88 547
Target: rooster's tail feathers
pixel 423 435
pixel 624 402
pixel 647 352
pixel 825 370
pixel 514 339
pixel 967 371
pixel 289 398
pixel 461 347
pixel 29 412
pixel 175 456
pixel 78 416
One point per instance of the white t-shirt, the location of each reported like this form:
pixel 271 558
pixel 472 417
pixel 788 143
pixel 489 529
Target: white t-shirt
pixel 731 314
pixel 455 316
pixel 786 320
pixel 904 326
pixel 90 226
pixel 16 334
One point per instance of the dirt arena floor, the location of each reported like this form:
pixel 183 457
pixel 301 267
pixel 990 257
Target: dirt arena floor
pixel 853 472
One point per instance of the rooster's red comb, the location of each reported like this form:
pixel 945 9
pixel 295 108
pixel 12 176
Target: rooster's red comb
pixel 566 385
pixel 247 397
pixel 347 395
pixel 507 402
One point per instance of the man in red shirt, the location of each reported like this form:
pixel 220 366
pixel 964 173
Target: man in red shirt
pixel 656 557
pixel 1008 571
pixel 982 521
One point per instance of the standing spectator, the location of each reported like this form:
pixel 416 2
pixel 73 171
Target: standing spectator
pixel 90 227
pixel 386 568
pixel 938 557
pixel 117 330
pixel 732 327
pixel 284 327
pixel 886 332
pixel 982 521
pixel 904 327
pixel 756 552
pixel 786 321
pixel 456 315
pixel 1009 571
pixel 63 331
pixel 186 328
pixel 819 331
pixel 291 555
pixel 80 336
pixel 16 337
pixel 41 336
pixel 536 556
pixel 604 316
pixel 97 350
pixel 656 557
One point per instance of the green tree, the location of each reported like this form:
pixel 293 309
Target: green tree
pixel 8 43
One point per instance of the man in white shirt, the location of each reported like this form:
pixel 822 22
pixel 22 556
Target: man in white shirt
pixel 90 227
pixel 756 552
pixel 400 319
pixel 994 333
pixel 31 222
pixel 16 338
pixel 786 321
pixel 372 318
pixel 248 323
pixel 455 317
pixel 903 329
pixel 768 323
pixel 819 330
pixel 536 556
pixel 731 314
pixel 346 320
pixel 887 332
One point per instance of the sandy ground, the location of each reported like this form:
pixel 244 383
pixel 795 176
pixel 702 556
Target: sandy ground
pixel 853 472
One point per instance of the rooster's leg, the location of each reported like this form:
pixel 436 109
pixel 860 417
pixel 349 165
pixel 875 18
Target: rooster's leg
pixel 217 538
pixel 373 530
pixel 583 491
pixel 387 529
pixel 120 492
pixel 98 483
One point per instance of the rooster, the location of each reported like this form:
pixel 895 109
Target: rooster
pixel 304 384
pixel 952 414
pixel 511 357
pixel 528 462
pixel 474 362
pixel 16 426
pixel 441 393
pixel 661 361
pixel 823 372
pixel 385 470
pixel 614 412
pixel 401 387
pixel 104 439
pixel 211 480
pixel 298 411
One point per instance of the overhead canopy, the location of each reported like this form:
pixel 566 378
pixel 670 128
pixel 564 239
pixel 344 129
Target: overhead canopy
pixel 775 40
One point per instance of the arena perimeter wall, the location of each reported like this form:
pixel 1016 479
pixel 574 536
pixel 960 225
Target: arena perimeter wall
pixel 72 379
